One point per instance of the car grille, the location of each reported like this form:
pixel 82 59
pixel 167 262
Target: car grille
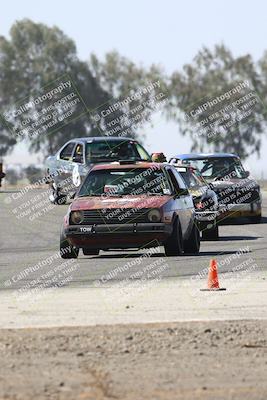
pixel 115 216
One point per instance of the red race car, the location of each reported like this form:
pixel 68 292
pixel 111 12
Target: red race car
pixel 130 205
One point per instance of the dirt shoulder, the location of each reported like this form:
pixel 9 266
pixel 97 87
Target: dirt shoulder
pixel 185 360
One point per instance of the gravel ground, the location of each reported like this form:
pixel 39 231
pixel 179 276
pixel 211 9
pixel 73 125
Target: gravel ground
pixel 185 360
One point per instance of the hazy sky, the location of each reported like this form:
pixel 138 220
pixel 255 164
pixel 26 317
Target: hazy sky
pixel 167 32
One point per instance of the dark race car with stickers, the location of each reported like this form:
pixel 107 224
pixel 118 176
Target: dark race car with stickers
pixel 133 205
pixel 68 167
pixel 238 195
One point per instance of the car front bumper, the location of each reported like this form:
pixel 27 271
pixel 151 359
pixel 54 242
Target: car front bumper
pixel 240 210
pixel 118 235
pixel 206 218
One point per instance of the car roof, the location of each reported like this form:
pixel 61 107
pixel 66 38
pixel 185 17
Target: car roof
pixel 90 139
pixel 203 155
pixel 116 165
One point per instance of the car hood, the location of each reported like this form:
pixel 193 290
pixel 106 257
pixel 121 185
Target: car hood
pixel 96 203
pixel 49 159
pixel 235 184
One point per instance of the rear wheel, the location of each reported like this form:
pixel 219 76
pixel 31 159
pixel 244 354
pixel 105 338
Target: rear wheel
pixel 256 219
pixel 211 233
pixel 91 252
pixel 192 244
pixel 174 244
pixel 66 249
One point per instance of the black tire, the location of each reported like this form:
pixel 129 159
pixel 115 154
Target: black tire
pixel 211 233
pixel 55 196
pixel 192 244
pixel 61 199
pixel 66 249
pixel 174 245
pixel 256 219
pixel 91 252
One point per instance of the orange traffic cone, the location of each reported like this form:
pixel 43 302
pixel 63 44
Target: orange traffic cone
pixel 213 280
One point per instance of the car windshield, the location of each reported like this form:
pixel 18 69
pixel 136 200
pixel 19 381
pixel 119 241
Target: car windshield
pixel 119 182
pixel 114 150
pixel 190 178
pixel 212 167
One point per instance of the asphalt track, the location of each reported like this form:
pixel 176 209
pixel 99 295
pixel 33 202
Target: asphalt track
pixel 122 286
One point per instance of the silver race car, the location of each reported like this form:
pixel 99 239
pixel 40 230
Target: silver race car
pixel 68 167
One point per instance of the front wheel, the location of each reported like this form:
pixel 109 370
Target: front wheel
pixel 211 234
pixel 174 244
pixel 255 219
pixel 55 196
pixel 66 249
pixel 192 244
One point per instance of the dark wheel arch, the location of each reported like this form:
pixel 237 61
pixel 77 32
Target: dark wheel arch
pixel 192 244
pixel 66 249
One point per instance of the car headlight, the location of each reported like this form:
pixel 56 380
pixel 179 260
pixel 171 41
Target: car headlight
pixel 200 205
pixel 154 215
pixel 76 217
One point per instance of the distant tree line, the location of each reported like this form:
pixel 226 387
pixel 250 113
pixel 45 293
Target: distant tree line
pixel 35 55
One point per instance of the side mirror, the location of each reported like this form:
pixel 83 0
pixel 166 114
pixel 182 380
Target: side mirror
pixel 73 195
pixel 247 173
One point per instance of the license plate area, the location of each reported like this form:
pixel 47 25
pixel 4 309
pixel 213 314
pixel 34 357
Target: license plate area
pixel 85 229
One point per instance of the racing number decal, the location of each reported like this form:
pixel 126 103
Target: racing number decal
pixel 76 179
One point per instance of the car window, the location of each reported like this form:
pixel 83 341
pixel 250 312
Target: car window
pixel 78 153
pixel 180 180
pixel 213 167
pixel 66 153
pixel 121 182
pixel 113 150
pixel 174 181
pixel 142 152
pixel 190 178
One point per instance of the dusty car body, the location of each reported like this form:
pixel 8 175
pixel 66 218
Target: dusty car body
pixel 137 205
pixel 238 195
pixel 205 201
pixel 69 166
